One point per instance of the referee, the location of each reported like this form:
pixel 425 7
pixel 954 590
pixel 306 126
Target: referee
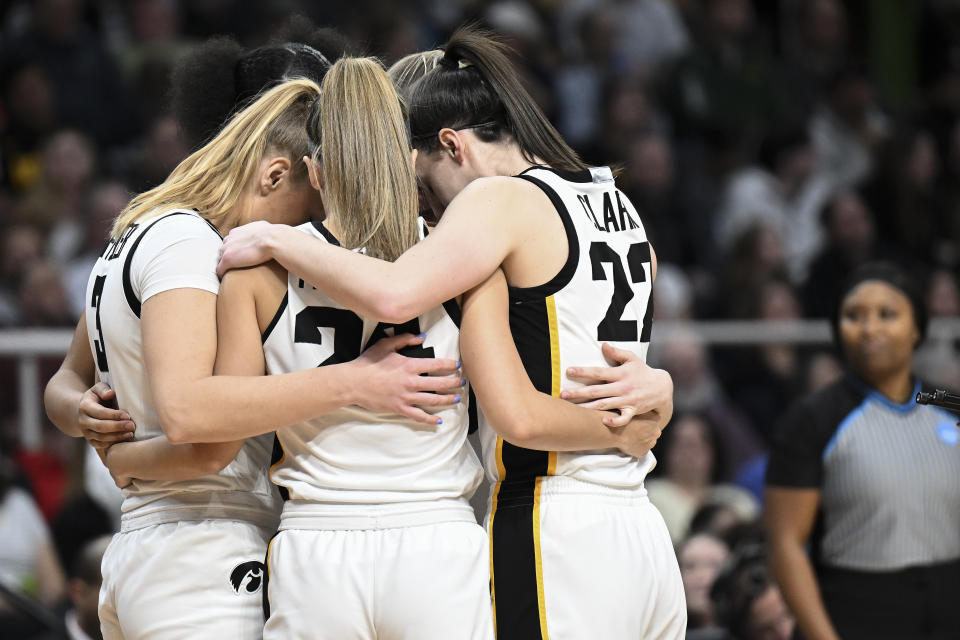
pixel 863 484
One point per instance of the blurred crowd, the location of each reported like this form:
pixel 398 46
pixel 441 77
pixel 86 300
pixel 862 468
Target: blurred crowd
pixel 769 147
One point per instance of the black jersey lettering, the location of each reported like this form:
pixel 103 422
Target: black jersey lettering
pixel 626 222
pixel 347 331
pixel 588 209
pixel 115 247
pixel 99 345
pixel 384 330
pixel 609 216
pixel 613 327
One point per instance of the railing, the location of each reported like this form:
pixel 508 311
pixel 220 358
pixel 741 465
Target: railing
pixel 27 345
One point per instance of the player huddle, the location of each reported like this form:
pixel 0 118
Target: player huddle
pixel 312 407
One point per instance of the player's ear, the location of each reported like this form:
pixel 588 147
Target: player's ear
pixel 313 171
pixel 452 143
pixel 274 172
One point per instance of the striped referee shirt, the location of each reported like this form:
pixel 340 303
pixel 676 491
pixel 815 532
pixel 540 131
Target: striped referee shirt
pixel 888 475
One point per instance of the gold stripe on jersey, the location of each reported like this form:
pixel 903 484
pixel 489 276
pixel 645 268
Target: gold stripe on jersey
pixel 538 559
pixel 493 512
pixel 555 378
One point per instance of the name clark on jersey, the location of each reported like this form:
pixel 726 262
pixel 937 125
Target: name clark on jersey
pixel 619 220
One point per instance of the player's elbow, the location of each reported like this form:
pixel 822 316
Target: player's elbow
pixel 217 459
pixel 516 425
pixel 177 423
pixel 395 304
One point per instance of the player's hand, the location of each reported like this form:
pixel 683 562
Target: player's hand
pixel 246 246
pixel 640 434
pixel 391 383
pixel 631 386
pixel 100 424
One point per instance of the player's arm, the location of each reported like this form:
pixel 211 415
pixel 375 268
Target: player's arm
pixel 159 459
pixel 515 409
pixel 632 386
pixel 180 343
pixel 479 229
pixel 75 402
pixel 789 516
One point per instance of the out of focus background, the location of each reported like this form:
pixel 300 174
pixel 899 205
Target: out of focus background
pixel 769 146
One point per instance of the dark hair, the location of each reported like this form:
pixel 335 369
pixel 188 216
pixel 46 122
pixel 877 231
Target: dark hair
pixel 217 79
pixel 890 274
pixel 86 564
pixel 744 578
pixel 474 86
pixel 667 440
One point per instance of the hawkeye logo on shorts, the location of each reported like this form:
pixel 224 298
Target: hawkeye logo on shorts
pixel 247 577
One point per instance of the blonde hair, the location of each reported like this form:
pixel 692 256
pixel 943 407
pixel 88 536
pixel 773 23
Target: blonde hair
pixel 410 68
pixel 369 185
pixel 213 178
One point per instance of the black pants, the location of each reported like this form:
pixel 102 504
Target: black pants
pixel 918 603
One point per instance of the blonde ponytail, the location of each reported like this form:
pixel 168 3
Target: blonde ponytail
pixel 212 178
pixel 369 183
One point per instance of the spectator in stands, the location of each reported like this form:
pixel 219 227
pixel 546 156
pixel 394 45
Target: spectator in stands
pixel 847 128
pixel 851 241
pixel 868 479
pixel 748 602
pixel 80 622
pixel 27 95
pixel 781 192
pixel 690 466
pixel 697 390
pixel 55 202
pixel 28 561
pixel 938 360
pixel 701 556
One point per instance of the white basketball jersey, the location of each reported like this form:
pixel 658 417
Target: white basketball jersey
pixel 354 456
pixel 602 294
pixel 174 250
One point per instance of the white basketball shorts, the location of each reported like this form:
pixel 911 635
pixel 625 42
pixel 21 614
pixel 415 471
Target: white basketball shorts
pixel 573 560
pixel 184 580
pixel 406 583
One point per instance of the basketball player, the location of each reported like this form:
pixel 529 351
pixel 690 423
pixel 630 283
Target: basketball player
pixel 187 560
pixel 577 549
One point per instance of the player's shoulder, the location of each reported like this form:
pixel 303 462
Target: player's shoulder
pixel 252 280
pixel 180 222
pixel 500 187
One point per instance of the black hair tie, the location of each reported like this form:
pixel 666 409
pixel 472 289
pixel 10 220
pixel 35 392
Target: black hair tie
pixel 448 62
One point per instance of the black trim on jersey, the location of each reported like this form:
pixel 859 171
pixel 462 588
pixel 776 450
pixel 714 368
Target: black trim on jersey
pixel 276 318
pixel 529 325
pixel 326 233
pixel 473 420
pixel 276 456
pixel 515 572
pixel 265 595
pixel 582 176
pixel 566 272
pixel 132 300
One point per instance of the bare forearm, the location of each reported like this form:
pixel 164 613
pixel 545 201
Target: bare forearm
pixel 535 420
pixel 794 573
pixel 375 288
pixel 158 459
pixel 226 408
pixel 61 399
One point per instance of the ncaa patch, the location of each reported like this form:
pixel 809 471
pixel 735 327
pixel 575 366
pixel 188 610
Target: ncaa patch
pixel 948 433
pixel 247 577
